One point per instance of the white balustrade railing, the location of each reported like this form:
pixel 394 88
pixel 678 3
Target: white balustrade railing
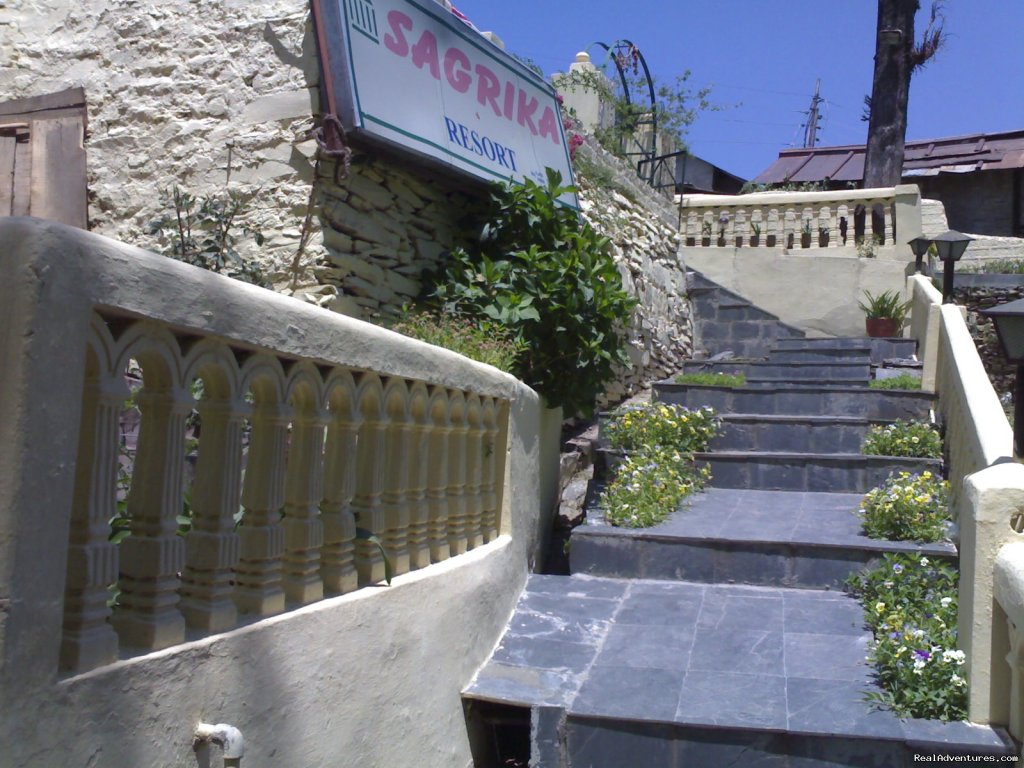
pixel 796 220
pixel 311 427
pixel 988 506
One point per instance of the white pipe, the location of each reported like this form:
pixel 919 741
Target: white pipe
pixel 227 736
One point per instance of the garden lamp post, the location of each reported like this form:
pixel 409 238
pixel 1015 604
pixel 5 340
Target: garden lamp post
pixel 1009 322
pixel 919 245
pixel 951 246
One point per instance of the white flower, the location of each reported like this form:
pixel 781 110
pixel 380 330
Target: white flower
pixel 946 601
pixel 924 562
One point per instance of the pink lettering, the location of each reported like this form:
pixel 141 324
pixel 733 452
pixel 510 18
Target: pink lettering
pixel 396 42
pixel 524 115
pixel 458 79
pixel 510 95
pixel 549 126
pixel 488 89
pixel 425 53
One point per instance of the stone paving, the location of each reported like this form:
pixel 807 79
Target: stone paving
pixel 722 636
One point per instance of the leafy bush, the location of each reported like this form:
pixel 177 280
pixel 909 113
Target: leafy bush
pixel 660 425
pixel 483 341
pixel 649 486
pixel 910 604
pixel 201 231
pixel 919 439
pixel 907 508
pixel 552 283
pixel 902 381
pixel 712 379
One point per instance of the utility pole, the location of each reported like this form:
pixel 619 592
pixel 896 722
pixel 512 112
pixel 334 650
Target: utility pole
pixel 811 128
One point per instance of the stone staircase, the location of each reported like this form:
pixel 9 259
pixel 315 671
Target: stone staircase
pixel 722 636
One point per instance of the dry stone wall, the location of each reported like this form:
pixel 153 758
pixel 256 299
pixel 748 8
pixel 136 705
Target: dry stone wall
pixel 222 96
pixel 645 242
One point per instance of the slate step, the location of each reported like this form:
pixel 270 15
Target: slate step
pixel 880 348
pixel 768 538
pixel 617 673
pixel 800 434
pixel 812 355
pixel 807 372
pixel 825 472
pixel 887 405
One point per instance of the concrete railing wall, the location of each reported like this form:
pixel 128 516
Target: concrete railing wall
pixel 988 501
pixel 311 424
pixel 802 220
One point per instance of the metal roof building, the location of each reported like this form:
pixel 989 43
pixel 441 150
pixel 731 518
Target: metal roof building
pixel 980 177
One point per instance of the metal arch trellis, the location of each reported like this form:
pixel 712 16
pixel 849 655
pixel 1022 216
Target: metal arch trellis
pixel 624 54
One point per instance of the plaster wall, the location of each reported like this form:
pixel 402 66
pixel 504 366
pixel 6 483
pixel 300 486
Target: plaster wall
pixel 817 290
pixel 369 678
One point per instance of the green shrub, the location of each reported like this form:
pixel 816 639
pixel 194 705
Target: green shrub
pixel 552 283
pixel 907 508
pixel 483 341
pixel 910 604
pixel 902 381
pixel 918 439
pixel 660 425
pixel 712 379
pixel 649 486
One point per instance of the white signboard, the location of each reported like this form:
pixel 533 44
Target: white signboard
pixel 411 74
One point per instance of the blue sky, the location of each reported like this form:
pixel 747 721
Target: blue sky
pixel 765 57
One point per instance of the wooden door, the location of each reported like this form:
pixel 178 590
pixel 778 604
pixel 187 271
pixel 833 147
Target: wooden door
pixel 42 157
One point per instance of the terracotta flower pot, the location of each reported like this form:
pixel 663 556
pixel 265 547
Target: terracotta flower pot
pixel 883 327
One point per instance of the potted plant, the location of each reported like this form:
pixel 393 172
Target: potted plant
pixel 805 234
pixel 823 235
pixel 755 236
pixel 705 233
pixel 884 314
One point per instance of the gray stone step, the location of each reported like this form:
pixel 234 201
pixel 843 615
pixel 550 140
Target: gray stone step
pixel 791 471
pixel 888 405
pixel 798 434
pixel 811 355
pixel 880 348
pixel 815 371
pixel 725 321
pixel 826 472
pixel 682 674
pixel 770 538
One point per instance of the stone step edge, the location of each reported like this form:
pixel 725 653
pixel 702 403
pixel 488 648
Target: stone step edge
pixel 946 550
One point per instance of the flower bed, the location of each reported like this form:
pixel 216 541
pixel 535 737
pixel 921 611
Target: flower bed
pixel 658 471
pixel 907 507
pixel 910 605
pixel 915 439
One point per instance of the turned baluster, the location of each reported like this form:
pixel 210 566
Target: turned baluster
pixel 152 556
pixel 303 529
pixel 88 640
pixel 212 546
pixel 337 564
pixel 258 575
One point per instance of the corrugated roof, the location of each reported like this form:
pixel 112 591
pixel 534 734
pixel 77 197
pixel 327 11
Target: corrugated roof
pixel 955 154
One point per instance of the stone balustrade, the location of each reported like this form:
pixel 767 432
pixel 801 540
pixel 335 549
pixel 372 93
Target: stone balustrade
pixel 799 220
pixel 325 446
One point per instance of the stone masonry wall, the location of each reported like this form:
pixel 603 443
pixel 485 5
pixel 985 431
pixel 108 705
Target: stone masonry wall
pixel 180 93
pixel 645 241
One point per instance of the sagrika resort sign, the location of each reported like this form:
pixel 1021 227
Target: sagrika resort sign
pixel 412 75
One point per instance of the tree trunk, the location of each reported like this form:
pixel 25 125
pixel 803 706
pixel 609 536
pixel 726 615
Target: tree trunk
pixel 890 88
